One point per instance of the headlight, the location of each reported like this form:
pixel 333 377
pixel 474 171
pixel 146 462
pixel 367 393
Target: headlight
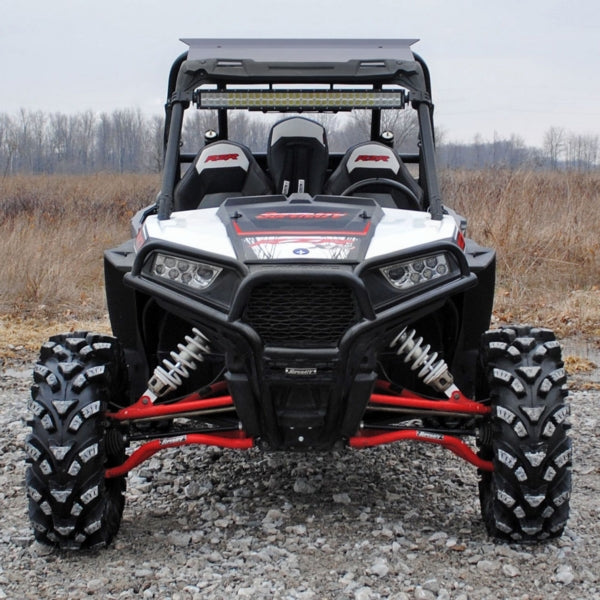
pixel 188 272
pixel 407 274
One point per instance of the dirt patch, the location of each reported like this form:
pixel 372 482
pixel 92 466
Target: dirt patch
pixel 22 335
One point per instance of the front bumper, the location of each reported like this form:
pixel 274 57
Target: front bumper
pixel 294 382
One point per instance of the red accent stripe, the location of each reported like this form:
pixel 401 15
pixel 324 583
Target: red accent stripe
pixel 372 157
pixel 278 232
pixel 221 157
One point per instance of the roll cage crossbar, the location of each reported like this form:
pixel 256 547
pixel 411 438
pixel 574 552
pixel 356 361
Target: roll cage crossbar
pixel 369 64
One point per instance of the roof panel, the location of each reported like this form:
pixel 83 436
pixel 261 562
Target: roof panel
pixel 300 50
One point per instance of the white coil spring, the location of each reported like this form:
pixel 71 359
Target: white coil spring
pixel 171 376
pixel 435 374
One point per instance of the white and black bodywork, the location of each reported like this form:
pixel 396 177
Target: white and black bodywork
pixel 299 299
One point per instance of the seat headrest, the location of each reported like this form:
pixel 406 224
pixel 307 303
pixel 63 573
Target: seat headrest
pixel 368 160
pixel 220 168
pixel 219 155
pixel 298 128
pixel 373 156
pixel 297 155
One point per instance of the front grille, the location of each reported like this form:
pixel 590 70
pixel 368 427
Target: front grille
pixel 301 314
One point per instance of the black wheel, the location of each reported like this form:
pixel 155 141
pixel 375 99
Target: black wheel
pixel 526 497
pixel 71 504
pixel 384 181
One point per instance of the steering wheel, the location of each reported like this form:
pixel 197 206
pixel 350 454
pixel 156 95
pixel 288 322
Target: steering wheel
pixel 414 200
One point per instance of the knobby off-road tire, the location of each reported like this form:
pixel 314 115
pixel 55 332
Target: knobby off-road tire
pixel 71 504
pixel 526 497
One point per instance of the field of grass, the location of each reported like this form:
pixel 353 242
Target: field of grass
pixel 544 227
pixel 53 230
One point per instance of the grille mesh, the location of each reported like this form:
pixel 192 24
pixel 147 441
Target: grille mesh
pixel 299 314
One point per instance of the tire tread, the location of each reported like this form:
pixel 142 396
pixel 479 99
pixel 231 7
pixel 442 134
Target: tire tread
pixel 526 497
pixel 71 505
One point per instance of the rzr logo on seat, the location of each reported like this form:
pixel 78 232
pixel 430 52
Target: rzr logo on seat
pixel 373 158
pixel 221 157
pixel 316 215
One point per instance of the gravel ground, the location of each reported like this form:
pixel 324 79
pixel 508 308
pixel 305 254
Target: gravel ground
pixel 396 522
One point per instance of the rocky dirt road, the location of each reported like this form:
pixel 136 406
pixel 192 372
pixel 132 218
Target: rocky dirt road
pixel 400 522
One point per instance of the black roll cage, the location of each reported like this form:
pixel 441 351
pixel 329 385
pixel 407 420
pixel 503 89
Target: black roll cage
pixel 189 71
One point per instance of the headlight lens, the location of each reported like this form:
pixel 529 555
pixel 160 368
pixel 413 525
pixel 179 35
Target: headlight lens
pixel 410 273
pixel 188 272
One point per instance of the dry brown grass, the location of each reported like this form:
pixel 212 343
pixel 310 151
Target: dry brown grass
pixel 53 231
pixel 544 227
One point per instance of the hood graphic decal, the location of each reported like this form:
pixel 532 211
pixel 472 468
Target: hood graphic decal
pixel 310 247
pixel 302 232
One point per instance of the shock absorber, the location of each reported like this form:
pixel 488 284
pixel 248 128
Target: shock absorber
pixel 170 375
pixel 431 371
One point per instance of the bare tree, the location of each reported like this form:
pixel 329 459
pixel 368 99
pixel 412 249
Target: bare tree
pixel 155 143
pixel 104 143
pixel 61 136
pixel 582 151
pixel 250 131
pixel 554 145
pixel 85 140
pixel 357 128
pixel 7 143
pixel 591 150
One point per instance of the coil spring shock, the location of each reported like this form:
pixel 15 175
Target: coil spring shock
pixel 170 376
pixel 432 372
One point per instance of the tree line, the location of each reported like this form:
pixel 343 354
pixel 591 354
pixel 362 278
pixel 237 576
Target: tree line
pixel 39 142
pixel 127 140
pixel 561 150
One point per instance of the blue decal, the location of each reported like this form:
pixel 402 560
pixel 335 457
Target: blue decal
pixel 301 251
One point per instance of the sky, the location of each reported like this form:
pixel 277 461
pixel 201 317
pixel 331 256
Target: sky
pixel 516 67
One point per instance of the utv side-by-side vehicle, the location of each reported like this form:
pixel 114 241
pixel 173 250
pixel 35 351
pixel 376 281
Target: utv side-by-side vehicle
pixel 296 297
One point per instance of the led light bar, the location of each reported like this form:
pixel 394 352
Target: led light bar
pixel 301 99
